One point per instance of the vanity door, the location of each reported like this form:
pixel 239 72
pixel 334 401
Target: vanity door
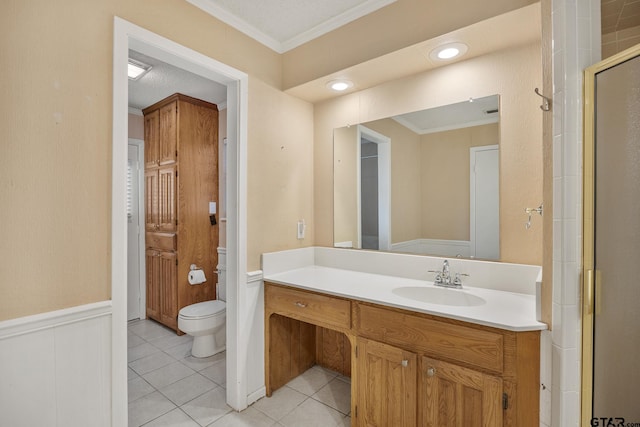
pixel 455 396
pixel 387 379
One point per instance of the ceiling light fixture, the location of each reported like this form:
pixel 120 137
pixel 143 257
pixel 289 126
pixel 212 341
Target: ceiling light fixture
pixel 448 51
pixel 340 85
pixel 137 69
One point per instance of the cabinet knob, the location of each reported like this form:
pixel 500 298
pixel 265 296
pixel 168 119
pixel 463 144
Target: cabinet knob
pixel 404 363
pixel 300 304
pixel 431 372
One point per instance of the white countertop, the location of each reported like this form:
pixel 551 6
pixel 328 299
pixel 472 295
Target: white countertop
pixel 505 310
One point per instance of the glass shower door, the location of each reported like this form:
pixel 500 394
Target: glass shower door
pixel 616 245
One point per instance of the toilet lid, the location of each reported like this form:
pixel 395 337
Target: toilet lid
pixel 203 309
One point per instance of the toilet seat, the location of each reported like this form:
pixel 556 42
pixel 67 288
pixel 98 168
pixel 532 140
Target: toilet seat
pixel 203 310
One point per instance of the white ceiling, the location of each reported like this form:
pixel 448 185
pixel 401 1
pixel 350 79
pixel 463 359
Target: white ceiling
pixel 285 24
pixel 164 80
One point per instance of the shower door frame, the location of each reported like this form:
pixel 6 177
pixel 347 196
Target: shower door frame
pixel 590 286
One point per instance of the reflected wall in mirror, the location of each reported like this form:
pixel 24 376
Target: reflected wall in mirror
pixel 424 182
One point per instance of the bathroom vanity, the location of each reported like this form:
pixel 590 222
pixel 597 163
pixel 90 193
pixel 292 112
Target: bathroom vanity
pixel 417 354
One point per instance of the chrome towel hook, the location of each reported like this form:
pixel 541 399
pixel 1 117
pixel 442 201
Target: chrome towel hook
pixel 530 211
pixel 546 102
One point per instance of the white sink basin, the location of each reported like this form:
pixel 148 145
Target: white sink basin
pixel 441 296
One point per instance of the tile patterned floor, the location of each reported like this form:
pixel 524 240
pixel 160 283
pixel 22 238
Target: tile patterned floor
pixel 169 387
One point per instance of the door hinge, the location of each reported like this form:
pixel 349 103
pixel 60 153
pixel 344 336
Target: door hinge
pixel 356 409
pixel 176 174
pixel 356 352
pixel 505 401
pixel 176 261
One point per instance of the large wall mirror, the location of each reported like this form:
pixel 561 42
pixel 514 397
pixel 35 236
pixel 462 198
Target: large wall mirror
pixel 425 182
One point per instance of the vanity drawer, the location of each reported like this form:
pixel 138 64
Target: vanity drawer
pixel 455 342
pixel 164 241
pixel 309 307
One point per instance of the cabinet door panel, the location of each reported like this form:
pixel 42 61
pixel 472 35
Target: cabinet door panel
pixel 153 284
pixel 168 134
pixel 151 199
pixel 454 396
pixel 168 289
pixel 151 139
pixel 167 199
pixel 387 391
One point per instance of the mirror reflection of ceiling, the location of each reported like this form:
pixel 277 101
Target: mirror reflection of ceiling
pixel 475 112
pixel 617 15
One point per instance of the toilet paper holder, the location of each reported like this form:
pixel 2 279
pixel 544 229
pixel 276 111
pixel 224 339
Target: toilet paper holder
pixel 194 267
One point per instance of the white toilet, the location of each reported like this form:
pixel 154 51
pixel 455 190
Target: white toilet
pixel 206 323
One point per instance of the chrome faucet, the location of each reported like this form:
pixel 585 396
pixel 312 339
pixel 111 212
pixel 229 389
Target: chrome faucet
pixel 444 279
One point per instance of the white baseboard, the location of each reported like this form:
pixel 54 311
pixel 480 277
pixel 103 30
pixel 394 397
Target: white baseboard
pixel 347 244
pixel 56 368
pixel 256 395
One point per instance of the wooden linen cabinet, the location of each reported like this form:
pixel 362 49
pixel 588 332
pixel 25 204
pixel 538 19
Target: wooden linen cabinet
pixel 181 178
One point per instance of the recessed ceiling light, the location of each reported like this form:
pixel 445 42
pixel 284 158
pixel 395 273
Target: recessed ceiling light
pixel 448 51
pixel 137 69
pixel 340 85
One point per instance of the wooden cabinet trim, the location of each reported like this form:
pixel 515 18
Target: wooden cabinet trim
pixel 461 343
pixel 180 97
pixel 315 308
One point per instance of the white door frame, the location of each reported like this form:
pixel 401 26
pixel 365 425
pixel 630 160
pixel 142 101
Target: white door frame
pixel 141 226
pixel 128 35
pixel 384 185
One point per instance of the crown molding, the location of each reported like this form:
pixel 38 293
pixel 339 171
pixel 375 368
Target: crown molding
pixel 237 23
pixel 300 39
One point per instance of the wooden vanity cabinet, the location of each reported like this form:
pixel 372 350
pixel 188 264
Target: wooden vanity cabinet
pixel 181 178
pixel 414 369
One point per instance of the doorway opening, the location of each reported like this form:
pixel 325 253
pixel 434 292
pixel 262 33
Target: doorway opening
pixel 373 189
pixel 484 215
pixel 136 292
pixel 129 36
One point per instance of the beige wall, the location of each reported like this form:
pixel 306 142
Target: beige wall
pixel 345 165
pixel 512 74
pixel 445 194
pixel 55 165
pixel 280 161
pixel 136 126
pixel 398 25
pixel 405 179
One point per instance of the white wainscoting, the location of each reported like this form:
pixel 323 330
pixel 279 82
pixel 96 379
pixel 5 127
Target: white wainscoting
pixel 55 368
pixel 446 248
pixel 255 349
